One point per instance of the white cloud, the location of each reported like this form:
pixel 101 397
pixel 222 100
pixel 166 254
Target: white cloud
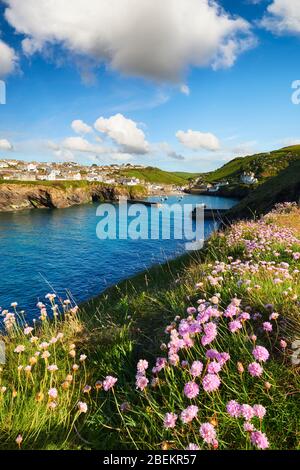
pixel 283 16
pixel 78 144
pixel 164 147
pixel 185 90
pixel 124 132
pixel 197 140
pixel 81 127
pixel 5 145
pixel 148 38
pixel 8 59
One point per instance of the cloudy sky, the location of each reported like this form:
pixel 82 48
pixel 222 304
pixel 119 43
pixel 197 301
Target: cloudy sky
pixel 180 84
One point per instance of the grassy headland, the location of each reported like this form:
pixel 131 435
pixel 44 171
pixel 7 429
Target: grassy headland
pixel 217 325
pixel 263 165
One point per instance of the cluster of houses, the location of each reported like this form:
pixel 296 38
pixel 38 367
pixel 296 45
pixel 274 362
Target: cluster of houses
pixel 68 171
pixel 247 178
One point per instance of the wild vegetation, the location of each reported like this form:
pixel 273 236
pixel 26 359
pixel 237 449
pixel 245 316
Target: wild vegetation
pixel 263 165
pixel 155 175
pixel 194 354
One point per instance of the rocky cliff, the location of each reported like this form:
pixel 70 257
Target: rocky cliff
pixel 19 196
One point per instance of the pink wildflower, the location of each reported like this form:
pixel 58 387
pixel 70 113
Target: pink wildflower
pixel 235 325
pixel 259 411
pixel 259 439
pixel 141 382
pixel 248 427
pixel 192 447
pixel 211 382
pixel 196 368
pixel 189 414
pixel 255 369
pixel 234 409
pixel 267 326
pixel 191 390
pixel 142 366
pixel 260 353
pixel 109 383
pixel 170 420
pixel 214 367
pixel 82 407
pixel 208 433
pixel 247 412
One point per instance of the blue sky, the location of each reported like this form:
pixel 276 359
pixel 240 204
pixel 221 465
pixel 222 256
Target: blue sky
pixel 147 86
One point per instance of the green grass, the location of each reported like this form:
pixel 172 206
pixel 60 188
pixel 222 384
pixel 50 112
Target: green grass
pixel 155 175
pixel 283 187
pixel 127 322
pixel 51 184
pixel 264 165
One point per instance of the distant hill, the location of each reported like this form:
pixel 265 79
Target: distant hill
pixel 155 175
pixel 283 187
pixel 263 165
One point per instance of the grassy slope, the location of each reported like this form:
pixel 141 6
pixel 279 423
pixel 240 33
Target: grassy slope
pixel 124 324
pixel 155 175
pixel 283 187
pixel 264 165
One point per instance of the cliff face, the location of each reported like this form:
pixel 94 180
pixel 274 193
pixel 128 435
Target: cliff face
pixel 15 197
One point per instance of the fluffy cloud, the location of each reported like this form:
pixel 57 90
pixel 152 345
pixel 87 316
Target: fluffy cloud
pixel 148 38
pixel 124 132
pixel 185 90
pixel 164 147
pixel 81 127
pixel 196 140
pixel 78 144
pixel 283 17
pixel 8 59
pixel 5 145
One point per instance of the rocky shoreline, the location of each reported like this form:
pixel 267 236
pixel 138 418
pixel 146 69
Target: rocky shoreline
pixel 16 197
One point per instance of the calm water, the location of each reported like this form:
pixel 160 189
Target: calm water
pixel 47 250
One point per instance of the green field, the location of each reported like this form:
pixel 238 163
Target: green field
pixel 155 175
pixel 263 165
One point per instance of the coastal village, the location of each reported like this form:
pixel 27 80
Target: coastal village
pixel 18 170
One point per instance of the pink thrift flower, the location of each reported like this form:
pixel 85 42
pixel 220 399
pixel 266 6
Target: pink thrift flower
pixel 255 369
pixel 192 447
pixel 260 353
pixel 109 383
pixel 191 310
pixel 142 366
pixel 189 414
pixel 211 382
pixel 234 326
pixel 191 390
pixel 283 344
pixel 247 412
pixel 82 407
pixel 196 368
pixel 223 357
pixel 210 333
pixel 53 393
pixel 234 409
pixel 259 439
pixel 248 427
pixel 267 326
pixel 160 364
pixel 170 420
pixel 212 354
pixel 259 411
pixel 214 367
pixel 208 433
pixel 141 382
